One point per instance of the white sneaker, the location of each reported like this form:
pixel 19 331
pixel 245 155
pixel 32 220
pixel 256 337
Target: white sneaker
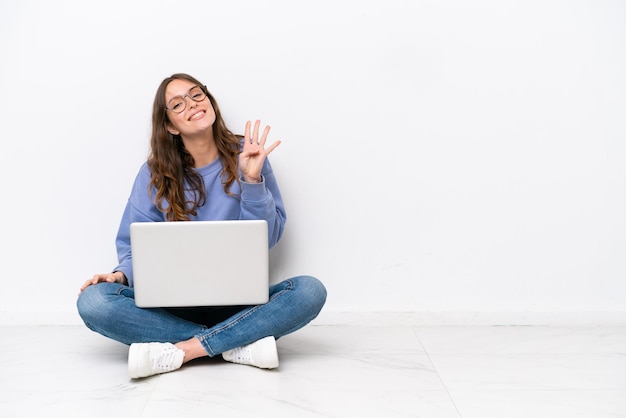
pixel 146 359
pixel 261 353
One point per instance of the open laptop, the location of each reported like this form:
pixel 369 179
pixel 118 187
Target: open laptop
pixel 200 263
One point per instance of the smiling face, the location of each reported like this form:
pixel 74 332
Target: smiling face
pixel 196 119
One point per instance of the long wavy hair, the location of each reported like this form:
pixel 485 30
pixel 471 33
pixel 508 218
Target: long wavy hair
pixel 171 165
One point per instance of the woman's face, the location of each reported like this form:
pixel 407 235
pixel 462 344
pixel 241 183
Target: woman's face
pixel 197 116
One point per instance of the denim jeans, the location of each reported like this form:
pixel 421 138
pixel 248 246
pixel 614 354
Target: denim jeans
pixel 109 309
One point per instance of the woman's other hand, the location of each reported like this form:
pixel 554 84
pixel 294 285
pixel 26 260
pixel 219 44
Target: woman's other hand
pixel 115 277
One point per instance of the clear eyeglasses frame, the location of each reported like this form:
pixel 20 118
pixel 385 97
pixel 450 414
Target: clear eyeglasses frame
pixel 178 104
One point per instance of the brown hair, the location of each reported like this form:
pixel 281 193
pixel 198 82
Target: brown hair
pixel 171 165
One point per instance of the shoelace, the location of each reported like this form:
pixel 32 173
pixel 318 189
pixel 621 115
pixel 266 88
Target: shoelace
pixel 165 361
pixel 242 354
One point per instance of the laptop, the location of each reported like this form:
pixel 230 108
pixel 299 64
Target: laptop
pixel 200 263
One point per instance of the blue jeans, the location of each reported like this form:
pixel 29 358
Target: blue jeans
pixel 109 309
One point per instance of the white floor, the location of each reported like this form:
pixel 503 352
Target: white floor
pixel 329 371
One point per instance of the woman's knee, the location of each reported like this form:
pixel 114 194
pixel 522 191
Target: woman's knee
pixel 312 290
pixel 88 299
pixel 95 300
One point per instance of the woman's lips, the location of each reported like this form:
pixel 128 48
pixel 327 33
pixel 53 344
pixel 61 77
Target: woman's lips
pixel 198 115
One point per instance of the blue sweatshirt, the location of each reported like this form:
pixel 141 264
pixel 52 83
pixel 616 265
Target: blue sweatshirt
pixel 250 201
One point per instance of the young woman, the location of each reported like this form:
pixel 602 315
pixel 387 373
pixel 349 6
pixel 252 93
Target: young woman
pixel 198 170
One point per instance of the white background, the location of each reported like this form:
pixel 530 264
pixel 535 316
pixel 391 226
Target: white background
pixel 437 156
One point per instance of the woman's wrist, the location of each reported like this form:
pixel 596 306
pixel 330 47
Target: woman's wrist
pixel 249 179
pixel 120 277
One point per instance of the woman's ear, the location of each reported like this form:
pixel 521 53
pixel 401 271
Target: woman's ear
pixel 171 130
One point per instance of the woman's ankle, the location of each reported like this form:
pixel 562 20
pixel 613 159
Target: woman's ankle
pixel 193 349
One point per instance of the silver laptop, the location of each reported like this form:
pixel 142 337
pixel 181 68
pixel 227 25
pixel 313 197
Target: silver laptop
pixel 200 263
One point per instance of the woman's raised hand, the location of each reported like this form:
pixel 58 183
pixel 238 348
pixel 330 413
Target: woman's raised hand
pixel 254 152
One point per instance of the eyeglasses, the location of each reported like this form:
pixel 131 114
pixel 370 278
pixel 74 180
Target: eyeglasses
pixel 178 104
